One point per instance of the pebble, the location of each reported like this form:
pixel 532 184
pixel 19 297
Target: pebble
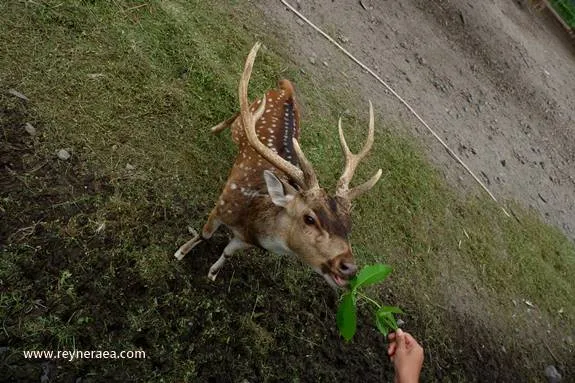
pixel 553 376
pixel 343 39
pixel 312 60
pixel 130 167
pixel 300 22
pixel 63 154
pixel 30 129
pixel 325 63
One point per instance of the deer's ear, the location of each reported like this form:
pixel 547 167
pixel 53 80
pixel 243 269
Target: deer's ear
pixel 280 196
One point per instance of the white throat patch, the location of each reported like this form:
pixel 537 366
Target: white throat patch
pixel 275 245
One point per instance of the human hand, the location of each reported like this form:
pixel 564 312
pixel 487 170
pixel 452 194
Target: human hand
pixel 406 355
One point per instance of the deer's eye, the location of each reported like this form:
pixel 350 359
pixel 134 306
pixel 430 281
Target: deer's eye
pixel 308 219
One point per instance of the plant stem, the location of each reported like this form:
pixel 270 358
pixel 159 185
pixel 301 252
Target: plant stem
pixel 368 299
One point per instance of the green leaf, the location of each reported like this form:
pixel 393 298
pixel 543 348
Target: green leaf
pixel 381 325
pixel 346 316
pixel 370 274
pixel 391 309
pixel 385 320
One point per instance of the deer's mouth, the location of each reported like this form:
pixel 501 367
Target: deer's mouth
pixel 338 280
pixel 334 279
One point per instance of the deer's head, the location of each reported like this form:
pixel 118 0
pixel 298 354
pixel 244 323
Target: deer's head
pixel 316 225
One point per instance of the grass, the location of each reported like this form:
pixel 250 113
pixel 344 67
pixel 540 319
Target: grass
pixel 131 88
pixel 566 9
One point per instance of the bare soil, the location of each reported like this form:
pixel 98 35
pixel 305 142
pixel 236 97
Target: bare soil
pixel 494 78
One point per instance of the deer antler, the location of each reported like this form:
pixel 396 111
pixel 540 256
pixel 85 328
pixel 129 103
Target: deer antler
pixel 304 177
pixel 351 162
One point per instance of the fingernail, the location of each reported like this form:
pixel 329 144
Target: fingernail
pixel 399 331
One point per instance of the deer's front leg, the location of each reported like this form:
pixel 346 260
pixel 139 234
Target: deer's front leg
pixel 209 228
pixel 234 245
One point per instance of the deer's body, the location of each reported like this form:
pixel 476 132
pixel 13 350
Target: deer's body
pixel 244 205
pixel 272 199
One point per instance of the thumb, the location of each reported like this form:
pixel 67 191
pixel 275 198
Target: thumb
pixel 400 339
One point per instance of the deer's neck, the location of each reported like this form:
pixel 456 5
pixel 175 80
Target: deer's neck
pixel 272 230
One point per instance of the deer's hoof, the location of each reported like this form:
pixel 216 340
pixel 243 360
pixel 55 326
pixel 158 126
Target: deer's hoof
pixel 179 255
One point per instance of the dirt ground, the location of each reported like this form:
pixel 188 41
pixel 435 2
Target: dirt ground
pixel 493 78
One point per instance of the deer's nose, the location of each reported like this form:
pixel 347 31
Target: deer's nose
pixel 348 269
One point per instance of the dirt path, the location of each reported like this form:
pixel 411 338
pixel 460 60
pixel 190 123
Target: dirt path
pixel 494 78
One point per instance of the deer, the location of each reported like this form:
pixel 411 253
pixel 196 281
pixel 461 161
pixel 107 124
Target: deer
pixel 272 198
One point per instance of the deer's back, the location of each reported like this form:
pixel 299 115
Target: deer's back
pixel 277 127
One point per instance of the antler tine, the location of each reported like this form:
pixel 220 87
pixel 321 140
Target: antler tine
pixel 352 160
pixel 306 166
pixel 367 185
pixel 249 121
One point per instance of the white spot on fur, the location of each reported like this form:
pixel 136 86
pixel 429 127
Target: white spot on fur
pixel 251 193
pixel 233 186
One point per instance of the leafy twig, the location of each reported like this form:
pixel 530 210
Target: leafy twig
pixel 347 311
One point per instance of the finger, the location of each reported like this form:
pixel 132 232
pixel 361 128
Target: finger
pixel 391 336
pixel 410 340
pixel 400 339
pixel 391 349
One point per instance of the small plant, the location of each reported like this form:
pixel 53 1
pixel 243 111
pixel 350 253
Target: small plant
pixel 347 311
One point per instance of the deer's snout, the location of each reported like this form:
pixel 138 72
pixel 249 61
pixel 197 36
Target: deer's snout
pixel 348 269
pixel 345 265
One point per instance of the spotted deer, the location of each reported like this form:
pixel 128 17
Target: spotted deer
pixel 272 198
